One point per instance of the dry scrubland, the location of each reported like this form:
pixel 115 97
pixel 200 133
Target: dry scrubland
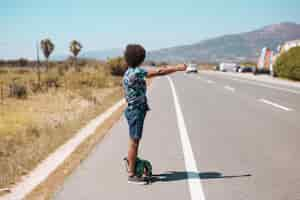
pixel 37 118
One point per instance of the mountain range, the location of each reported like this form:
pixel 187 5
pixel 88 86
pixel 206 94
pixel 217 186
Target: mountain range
pixel 234 47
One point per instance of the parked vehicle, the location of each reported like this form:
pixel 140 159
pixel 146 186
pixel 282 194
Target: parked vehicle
pixel 237 68
pixel 226 67
pixel 247 69
pixel 192 68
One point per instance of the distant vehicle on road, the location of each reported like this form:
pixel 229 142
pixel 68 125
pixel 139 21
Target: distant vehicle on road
pixel 192 68
pixel 227 67
pixel 246 69
pixel 237 68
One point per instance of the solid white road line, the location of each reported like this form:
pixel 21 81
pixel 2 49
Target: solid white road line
pixel 196 190
pixel 229 88
pixel 266 85
pixel 275 105
pixel 44 169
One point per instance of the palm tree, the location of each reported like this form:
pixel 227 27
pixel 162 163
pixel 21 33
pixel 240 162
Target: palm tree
pixel 47 47
pixel 75 48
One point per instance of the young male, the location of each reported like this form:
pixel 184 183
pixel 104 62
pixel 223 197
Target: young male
pixel 135 89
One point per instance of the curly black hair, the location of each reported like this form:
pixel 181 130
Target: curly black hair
pixel 134 55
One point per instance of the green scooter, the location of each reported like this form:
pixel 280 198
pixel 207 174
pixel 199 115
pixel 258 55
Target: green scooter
pixel 143 168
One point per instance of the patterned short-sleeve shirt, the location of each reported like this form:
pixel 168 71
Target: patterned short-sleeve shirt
pixel 134 85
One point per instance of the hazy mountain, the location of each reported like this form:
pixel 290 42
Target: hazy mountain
pixel 235 47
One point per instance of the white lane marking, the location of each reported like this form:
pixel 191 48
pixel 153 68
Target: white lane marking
pixel 196 189
pixel 227 87
pixel 275 104
pixel 266 85
pixel 210 81
pixel 45 168
pixel 206 80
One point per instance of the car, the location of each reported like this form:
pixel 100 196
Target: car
pixel 246 69
pixel 192 68
pixel 237 68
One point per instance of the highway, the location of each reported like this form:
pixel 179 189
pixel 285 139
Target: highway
pixel 208 136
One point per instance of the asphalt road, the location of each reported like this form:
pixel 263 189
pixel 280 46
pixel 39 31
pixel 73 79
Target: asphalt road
pixel 215 138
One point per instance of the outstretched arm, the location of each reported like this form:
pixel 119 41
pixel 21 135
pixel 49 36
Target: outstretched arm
pixel 161 71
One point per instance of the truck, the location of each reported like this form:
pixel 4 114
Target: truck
pixel 265 62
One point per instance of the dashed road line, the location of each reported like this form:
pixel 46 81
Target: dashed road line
pixel 227 87
pixel 195 186
pixel 210 81
pixel 275 105
pixel 206 80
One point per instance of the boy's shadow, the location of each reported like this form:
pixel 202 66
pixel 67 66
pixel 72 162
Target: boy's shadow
pixel 183 175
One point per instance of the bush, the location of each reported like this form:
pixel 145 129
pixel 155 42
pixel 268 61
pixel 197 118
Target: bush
pixel 162 64
pixel 52 79
pixel 22 71
pixel 17 90
pixel 22 62
pixel 61 70
pixel 3 71
pixel 34 86
pixel 288 64
pixel 117 66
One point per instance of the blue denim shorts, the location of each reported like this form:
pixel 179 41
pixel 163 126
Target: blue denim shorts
pixel 135 117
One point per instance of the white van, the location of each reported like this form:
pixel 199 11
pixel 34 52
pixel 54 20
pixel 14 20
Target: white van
pixel 191 68
pixel 227 67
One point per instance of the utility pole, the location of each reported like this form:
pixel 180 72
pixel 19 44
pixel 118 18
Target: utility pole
pixel 38 64
pixel 2 91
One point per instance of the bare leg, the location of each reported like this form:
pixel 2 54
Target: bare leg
pixel 132 154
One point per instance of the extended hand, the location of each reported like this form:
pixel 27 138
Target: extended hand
pixel 181 67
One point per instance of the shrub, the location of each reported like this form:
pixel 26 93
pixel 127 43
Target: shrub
pixel 17 90
pixel 35 87
pixel 52 79
pixel 161 64
pixel 3 71
pixel 22 71
pixel 117 66
pixel 288 64
pixel 61 70
pixel 22 62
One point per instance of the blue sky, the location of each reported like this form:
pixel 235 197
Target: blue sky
pixel 106 24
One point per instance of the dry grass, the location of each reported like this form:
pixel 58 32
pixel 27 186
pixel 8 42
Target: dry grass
pixel 46 190
pixel 206 67
pixel 32 128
